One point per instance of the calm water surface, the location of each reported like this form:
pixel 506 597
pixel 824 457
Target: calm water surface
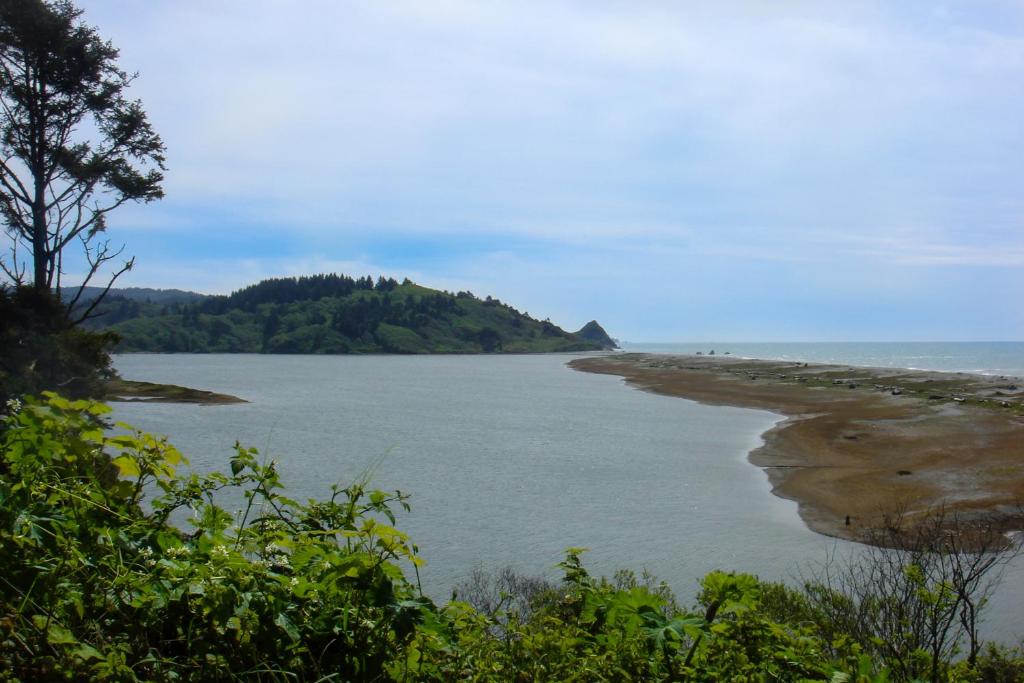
pixel 509 459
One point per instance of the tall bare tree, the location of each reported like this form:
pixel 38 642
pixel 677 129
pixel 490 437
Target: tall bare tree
pixel 72 146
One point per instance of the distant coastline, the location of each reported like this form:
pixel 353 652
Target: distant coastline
pixel 859 443
pixel 993 358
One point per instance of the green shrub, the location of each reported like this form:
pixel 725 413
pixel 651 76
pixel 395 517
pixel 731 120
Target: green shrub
pixel 97 586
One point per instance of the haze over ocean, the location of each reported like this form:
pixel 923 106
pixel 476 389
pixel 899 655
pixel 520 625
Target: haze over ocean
pixel 982 358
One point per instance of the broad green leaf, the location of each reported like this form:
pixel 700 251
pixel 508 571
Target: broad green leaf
pixel 86 652
pixel 288 627
pixel 127 466
pixel 58 635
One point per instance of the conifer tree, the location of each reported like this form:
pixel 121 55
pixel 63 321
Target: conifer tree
pixel 73 147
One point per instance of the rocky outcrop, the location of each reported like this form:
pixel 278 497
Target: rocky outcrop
pixel 593 332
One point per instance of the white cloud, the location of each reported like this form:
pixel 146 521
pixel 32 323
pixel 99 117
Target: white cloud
pixel 776 134
pixel 260 98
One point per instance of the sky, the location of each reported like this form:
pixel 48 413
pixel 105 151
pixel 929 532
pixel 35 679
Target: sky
pixel 679 171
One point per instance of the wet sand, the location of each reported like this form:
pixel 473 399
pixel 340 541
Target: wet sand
pixel 126 390
pixel 861 444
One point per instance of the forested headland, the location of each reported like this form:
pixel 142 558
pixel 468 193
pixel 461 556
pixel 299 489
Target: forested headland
pixel 330 314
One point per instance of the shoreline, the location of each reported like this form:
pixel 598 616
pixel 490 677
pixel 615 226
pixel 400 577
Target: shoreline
pixel 134 391
pixel 861 443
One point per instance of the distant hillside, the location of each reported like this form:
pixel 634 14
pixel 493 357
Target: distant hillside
pixel 143 294
pixel 593 332
pixel 328 314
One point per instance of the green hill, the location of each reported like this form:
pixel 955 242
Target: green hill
pixel 330 314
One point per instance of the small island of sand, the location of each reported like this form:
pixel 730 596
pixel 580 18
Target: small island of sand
pixel 129 391
pixel 860 444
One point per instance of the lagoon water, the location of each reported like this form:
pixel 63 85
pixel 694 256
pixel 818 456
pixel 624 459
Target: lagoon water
pixel 509 460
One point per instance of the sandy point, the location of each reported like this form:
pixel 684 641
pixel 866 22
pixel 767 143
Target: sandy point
pixel 860 445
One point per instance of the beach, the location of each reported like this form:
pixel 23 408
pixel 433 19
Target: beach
pixel 859 445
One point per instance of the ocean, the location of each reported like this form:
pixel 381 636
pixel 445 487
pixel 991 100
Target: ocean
pixel 983 358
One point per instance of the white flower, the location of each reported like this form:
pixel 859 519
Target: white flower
pixel 294 582
pixel 13 405
pixel 219 550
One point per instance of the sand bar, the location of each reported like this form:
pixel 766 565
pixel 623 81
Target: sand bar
pixel 861 442
pixel 130 391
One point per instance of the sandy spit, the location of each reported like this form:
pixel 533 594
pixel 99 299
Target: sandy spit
pixel 862 444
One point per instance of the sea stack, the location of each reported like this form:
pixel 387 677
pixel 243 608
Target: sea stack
pixel 593 332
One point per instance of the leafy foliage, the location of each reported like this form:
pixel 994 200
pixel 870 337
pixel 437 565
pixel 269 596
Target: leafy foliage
pixel 100 581
pixel 333 314
pixel 96 584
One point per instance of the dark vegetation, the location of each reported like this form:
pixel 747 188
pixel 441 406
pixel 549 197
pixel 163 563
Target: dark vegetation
pixel 97 583
pixel 329 314
pixel 40 349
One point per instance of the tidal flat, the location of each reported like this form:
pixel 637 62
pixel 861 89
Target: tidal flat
pixel 860 445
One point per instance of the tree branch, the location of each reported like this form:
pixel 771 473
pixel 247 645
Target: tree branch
pixel 20 192
pixel 128 265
